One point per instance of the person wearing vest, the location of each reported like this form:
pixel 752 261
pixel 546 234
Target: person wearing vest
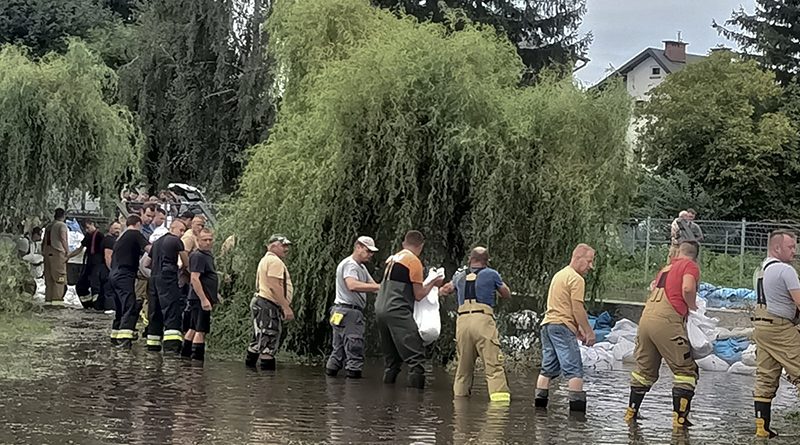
pixel 54 251
pixel 775 319
pixel 565 323
pixel 662 334
pixel 476 331
pixel 271 305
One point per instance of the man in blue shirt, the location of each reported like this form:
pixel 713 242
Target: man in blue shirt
pixel 476 287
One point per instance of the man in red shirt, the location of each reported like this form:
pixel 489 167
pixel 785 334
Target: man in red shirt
pixel 662 334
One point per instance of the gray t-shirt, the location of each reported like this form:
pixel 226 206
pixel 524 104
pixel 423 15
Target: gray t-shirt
pixel 779 279
pixel 350 268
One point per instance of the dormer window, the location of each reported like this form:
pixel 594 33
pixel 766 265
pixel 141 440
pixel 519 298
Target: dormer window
pixel 656 71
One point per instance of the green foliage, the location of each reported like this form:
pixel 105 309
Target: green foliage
pixel 664 196
pixel 718 121
pixel 387 125
pixel 59 130
pixel 16 284
pixel 545 32
pixel 770 34
pixel 198 88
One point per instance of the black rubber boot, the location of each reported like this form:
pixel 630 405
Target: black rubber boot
pixel 634 403
pixel 173 347
pixel 331 372
pixel 681 406
pixel 186 349
pixel 198 351
pixel 763 418
pixel 577 401
pixel 390 376
pixel 115 341
pixel 268 364
pixel 125 343
pixel 251 359
pixel 541 398
pixel 153 348
pixel 353 374
pixel 416 380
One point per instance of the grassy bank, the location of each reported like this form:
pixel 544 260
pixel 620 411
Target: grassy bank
pixel 17 333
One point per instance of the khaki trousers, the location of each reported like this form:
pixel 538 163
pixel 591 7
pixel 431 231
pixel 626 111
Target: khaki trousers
pixel 778 347
pixel 55 274
pixel 476 336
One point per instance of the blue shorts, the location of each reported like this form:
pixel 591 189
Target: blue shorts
pixel 560 352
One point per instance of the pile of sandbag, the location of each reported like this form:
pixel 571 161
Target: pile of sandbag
pixel 617 348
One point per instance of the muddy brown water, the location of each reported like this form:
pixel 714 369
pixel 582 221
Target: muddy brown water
pixel 86 392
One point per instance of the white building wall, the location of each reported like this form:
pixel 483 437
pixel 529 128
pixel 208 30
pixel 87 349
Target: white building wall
pixel 641 79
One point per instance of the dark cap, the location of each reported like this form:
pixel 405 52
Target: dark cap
pixel 280 239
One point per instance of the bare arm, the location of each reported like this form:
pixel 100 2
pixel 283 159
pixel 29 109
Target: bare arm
pixel 795 293
pixel 198 289
pixel 504 291
pixel 579 312
pixel 690 291
pixel 447 289
pixel 184 255
pixel 147 262
pixel 421 291
pixel 64 241
pixel 359 286
pixel 107 256
pixel 76 252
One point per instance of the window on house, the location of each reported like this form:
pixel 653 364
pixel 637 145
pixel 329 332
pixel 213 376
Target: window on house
pixel 656 71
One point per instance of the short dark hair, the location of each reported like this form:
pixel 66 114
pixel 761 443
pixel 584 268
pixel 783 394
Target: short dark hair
pixel 414 238
pixel 161 211
pixel 187 215
pixel 149 206
pixel 59 213
pixel 692 211
pixel 36 231
pixel 88 221
pixel 689 249
pixel 132 220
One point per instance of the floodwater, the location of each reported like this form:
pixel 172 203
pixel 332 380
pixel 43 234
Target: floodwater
pixel 86 392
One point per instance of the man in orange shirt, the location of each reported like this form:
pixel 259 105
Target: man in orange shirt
pixel 394 310
pixel 662 333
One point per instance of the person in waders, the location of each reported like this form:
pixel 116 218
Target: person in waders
pixel 54 251
pixel 402 285
pixel 662 334
pixel 775 319
pixel 476 331
pixel 128 250
pixel 353 281
pixel 564 323
pixel 271 305
pixel 165 311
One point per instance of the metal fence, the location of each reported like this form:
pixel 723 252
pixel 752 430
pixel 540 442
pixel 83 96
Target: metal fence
pixel 735 238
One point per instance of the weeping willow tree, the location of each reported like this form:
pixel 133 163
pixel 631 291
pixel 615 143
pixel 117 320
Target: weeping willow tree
pixel 389 124
pixel 59 129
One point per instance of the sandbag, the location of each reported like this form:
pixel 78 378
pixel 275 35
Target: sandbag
pixel 596 358
pixel 702 330
pixel 624 329
pixel 623 350
pixel 749 355
pixel 712 363
pixel 731 349
pixel 426 311
pixel 741 368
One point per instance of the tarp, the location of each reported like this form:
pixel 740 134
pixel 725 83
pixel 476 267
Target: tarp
pixel 726 297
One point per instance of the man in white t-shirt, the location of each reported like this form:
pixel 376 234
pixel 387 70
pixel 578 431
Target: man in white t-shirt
pixel 353 281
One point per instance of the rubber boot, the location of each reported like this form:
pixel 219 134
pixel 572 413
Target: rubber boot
pixel 268 364
pixel 125 343
pixel 331 372
pixel 174 346
pixel 541 398
pixel 390 376
pixel 186 349
pixel 634 403
pixel 198 351
pixel 577 401
pixel 251 359
pixel 350 374
pixel 681 406
pixel 763 417
pixel 416 380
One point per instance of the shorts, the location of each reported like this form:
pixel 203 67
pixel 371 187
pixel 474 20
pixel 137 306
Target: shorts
pixel 560 352
pixel 197 319
pixel 267 318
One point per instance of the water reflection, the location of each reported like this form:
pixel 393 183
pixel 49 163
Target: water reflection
pixel 90 393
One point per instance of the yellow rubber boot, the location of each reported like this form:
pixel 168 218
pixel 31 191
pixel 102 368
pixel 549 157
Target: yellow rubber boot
pixel 763 417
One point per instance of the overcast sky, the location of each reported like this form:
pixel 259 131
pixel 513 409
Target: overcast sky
pixel 623 28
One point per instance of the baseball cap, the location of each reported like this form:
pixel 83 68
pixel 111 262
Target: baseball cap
pixel 368 242
pixel 279 238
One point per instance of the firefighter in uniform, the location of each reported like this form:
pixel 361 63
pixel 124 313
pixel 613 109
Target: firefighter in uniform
pixel 476 331
pixel 125 260
pixel 775 320
pixel 166 300
pixel 662 334
pixel 54 251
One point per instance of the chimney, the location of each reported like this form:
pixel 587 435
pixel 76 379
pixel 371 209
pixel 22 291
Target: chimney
pixel 675 50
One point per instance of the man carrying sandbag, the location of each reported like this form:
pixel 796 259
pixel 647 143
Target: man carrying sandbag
pixel 662 334
pixel 402 285
pixel 775 319
pixel 476 331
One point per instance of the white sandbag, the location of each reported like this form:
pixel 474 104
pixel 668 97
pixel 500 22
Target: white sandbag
pixel 749 355
pixel 741 368
pixel 623 350
pixel 712 363
pixel 596 358
pixel 702 331
pixel 71 298
pixel 426 311
pixel 623 329
pixel 604 345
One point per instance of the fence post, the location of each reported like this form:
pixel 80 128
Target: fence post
pixel 741 250
pixel 647 250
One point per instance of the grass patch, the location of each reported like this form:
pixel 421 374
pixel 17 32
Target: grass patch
pixel 17 333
